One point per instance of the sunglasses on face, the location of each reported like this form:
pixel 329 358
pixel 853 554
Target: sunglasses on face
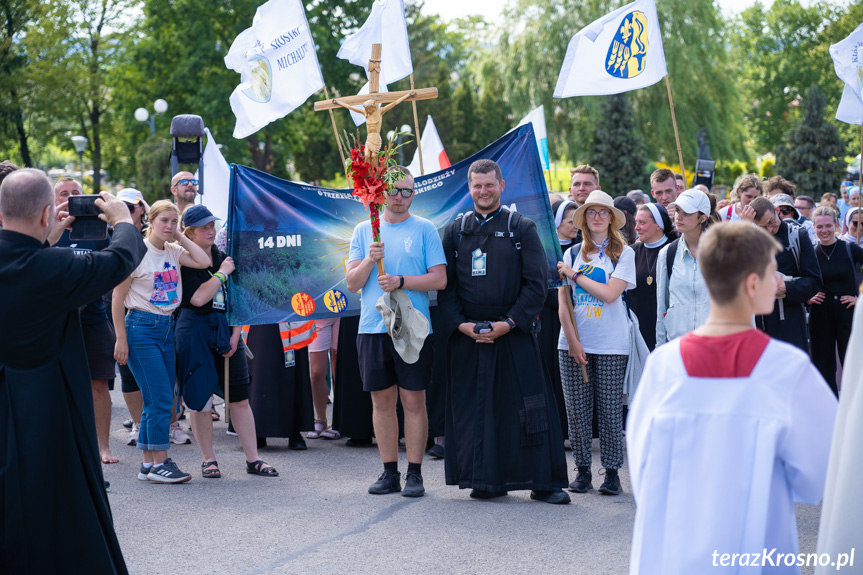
pixel 186 182
pixel 406 192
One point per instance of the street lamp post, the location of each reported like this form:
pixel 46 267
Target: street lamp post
pixel 80 143
pixel 143 116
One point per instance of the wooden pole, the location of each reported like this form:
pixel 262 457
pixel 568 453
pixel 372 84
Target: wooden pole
pixel 335 131
pixel 227 393
pixel 417 128
pixel 676 135
pixel 568 292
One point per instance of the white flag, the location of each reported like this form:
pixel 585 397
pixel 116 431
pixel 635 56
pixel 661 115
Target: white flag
pixel 848 63
pixel 217 179
pixel 434 156
pixel 278 63
pixel 385 26
pixel 537 118
pixel 850 108
pixel 621 51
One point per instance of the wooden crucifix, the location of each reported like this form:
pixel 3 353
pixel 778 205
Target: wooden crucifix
pixel 370 104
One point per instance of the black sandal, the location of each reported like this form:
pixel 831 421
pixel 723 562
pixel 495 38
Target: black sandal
pixel 210 473
pixel 257 468
pixel 214 414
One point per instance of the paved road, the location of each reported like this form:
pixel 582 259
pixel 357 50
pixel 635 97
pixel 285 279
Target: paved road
pixel 317 518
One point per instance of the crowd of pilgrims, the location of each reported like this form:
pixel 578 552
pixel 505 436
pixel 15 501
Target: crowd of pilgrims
pixel 281 375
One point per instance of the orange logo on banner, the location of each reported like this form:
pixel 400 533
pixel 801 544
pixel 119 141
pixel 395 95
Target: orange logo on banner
pixel 303 304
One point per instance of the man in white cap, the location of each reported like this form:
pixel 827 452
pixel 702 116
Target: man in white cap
pixel 414 262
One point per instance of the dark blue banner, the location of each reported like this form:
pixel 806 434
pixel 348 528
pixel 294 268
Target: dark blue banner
pixel 290 241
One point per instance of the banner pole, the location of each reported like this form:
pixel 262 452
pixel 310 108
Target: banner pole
pixel 676 135
pixel 335 131
pixel 227 392
pixel 417 128
pixel 860 187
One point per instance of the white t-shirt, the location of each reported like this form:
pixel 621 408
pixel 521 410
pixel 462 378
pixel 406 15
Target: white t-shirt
pixel 729 214
pixel 156 286
pixel 603 328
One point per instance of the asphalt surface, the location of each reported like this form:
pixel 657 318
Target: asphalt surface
pixel 318 518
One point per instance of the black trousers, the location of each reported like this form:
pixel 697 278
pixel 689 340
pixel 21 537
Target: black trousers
pixel 830 329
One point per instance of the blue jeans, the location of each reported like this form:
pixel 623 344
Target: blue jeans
pixel 151 359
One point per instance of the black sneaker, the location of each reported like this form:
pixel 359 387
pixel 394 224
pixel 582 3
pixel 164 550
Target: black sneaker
pixel 582 483
pixel 168 472
pixel 611 485
pixel 128 424
pixel 413 485
pixel 144 472
pixel 436 451
pixel 388 482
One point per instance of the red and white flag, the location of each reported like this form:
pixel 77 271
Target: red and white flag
pixel 434 156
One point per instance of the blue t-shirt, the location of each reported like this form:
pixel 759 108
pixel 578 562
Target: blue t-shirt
pixel 410 249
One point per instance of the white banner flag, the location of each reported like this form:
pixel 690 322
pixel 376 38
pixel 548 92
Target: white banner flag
pixel 279 66
pixel 217 180
pixel 621 51
pixel 434 156
pixel 385 26
pixel 537 118
pixel 848 62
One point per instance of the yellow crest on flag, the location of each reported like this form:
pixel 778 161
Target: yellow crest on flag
pixel 628 49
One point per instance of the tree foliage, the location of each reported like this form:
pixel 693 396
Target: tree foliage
pixel 618 149
pixel 813 156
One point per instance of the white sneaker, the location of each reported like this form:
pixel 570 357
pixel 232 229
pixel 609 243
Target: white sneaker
pixel 133 435
pixel 179 436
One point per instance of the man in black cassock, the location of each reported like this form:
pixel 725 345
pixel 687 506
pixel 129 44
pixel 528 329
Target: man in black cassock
pixel 502 428
pixel 54 512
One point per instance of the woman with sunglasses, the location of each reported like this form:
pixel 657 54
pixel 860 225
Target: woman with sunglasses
pixel 145 337
pixel 682 301
pixel 598 270
pixel 833 307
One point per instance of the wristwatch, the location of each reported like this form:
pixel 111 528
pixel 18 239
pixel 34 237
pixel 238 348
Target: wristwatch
pixel 510 323
pixel 401 281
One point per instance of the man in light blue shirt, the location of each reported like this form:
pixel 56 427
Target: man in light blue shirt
pixel 414 261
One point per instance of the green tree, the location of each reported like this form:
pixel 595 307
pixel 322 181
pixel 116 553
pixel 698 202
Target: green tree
pixel 618 148
pixel 464 115
pixel 813 156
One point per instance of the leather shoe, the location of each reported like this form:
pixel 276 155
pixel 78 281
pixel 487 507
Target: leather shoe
pixel 358 442
pixel 436 451
pixel 483 494
pixel 297 443
pixel 555 496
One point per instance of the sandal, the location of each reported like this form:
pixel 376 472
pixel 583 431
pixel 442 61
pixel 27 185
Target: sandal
pixel 257 468
pixel 330 433
pixel 214 414
pixel 320 428
pixel 210 473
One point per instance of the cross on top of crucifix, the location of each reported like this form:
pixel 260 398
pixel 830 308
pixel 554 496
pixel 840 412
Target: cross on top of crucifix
pixel 370 103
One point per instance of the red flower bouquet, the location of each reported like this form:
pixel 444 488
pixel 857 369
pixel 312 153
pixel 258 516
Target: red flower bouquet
pixel 372 179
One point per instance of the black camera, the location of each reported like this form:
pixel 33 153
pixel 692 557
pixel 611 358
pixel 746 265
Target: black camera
pixel 87 225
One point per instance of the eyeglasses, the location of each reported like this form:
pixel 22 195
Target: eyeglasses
pixel 788 211
pixel 594 213
pixel 186 182
pixel 406 192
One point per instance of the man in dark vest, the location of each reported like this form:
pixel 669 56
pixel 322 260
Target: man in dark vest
pixel 52 494
pixel 502 428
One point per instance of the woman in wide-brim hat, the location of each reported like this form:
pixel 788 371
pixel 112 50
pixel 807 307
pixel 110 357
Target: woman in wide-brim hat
pixel 598 271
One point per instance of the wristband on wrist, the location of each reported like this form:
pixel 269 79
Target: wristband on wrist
pixel 401 281
pixel 221 276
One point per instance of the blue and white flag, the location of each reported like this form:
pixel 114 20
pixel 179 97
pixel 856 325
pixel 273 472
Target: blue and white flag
pixel 848 62
pixel 278 64
pixel 621 51
pixel 537 119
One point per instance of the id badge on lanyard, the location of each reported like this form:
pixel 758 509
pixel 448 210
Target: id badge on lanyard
pixel 478 267
pixel 290 358
pixel 219 300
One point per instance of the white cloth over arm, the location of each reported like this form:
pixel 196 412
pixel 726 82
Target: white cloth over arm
pixel 717 464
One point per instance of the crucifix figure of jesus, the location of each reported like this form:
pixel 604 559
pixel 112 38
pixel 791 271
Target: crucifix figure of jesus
pixel 370 103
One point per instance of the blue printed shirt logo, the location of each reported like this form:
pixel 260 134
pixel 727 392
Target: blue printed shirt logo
pixel 629 47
